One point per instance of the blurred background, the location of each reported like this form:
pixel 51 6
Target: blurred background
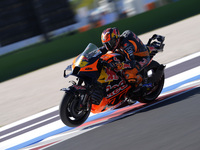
pixel 38 33
pixel 22 19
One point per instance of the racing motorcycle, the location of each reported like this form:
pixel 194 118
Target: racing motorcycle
pixel 93 72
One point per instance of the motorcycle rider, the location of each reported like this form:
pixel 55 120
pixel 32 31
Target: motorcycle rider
pixel 129 45
pixel 135 52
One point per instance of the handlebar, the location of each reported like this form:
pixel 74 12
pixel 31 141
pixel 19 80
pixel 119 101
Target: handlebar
pixel 159 43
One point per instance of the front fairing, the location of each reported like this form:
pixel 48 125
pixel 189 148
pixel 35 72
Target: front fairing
pixel 87 57
pixel 85 64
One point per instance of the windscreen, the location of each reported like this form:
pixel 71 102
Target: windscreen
pixel 91 51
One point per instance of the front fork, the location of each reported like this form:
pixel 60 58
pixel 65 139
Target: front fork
pixel 81 96
pixel 85 102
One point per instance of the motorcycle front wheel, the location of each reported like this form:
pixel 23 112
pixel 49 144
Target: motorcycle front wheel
pixel 71 113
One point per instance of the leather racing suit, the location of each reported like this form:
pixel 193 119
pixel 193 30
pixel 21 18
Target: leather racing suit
pixel 136 55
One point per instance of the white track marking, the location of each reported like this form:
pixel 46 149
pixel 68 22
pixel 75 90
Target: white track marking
pixel 176 62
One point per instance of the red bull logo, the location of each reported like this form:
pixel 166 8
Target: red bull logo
pixel 111 75
pixel 107 75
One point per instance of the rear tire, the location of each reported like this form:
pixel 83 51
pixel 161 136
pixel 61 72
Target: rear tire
pixel 155 91
pixel 69 113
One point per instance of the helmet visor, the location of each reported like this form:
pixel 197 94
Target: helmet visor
pixel 110 45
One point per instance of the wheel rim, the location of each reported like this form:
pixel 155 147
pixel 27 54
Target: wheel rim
pixel 155 90
pixel 75 113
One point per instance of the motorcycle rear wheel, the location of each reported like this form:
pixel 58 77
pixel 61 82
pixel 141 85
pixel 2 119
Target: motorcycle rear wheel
pixel 156 90
pixel 69 114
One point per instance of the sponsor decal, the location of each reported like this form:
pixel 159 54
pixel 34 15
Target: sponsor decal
pixel 130 50
pixel 105 37
pixel 83 63
pixel 109 87
pixel 85 58
pixel 116 91
pixel 107 75
pixel 111 75
pixel 105 57
pixel 118 87
pixel 88 68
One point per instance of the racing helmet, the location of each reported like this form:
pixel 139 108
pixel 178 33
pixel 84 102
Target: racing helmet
pixel 110 38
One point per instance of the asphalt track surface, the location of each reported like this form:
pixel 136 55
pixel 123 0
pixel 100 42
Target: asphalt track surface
pixel 170 125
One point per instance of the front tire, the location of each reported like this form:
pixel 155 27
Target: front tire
pixel 69 112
